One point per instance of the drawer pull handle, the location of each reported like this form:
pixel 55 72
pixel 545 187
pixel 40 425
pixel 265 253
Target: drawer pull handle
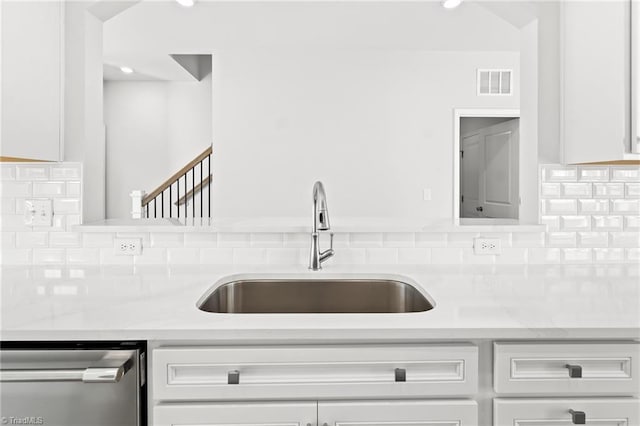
pixel 233 377
pixel 575 371
pixel 578 417
pixel 401 375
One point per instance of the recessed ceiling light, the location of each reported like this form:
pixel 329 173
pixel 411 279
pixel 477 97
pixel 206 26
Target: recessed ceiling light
pixel 126 70
pixel 186 3
pixel 451 4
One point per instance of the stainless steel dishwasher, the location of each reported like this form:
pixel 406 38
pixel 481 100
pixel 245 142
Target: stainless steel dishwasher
pixel 73 384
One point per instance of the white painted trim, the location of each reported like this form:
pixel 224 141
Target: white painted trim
pixel 459 113
pixel 634 49
pixel 63 69
pixel 562 66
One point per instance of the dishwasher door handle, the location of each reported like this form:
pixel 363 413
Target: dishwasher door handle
pixel 95 374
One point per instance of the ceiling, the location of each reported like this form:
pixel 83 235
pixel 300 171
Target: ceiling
pixel 162 40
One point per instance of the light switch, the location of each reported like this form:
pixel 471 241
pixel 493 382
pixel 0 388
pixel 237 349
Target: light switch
pixel 426 194
pixel 38 212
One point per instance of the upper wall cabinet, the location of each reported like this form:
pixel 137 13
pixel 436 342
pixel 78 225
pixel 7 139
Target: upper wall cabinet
pixel 31 46
pixel 596 38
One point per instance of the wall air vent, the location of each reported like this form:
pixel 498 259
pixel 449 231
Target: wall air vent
pixel 495 82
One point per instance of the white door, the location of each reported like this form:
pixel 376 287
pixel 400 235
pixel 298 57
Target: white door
pixel 489 171
pixel 398 413
pixel 471 160
pixel 556 412
pixel 227 414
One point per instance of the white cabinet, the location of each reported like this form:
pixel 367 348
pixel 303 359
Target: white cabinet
pixel 567 368
pixel 31 36
pixel 314 372
pixel 595 81
pixel 556 412
pixel 398 413
pixel 567 371
pixel 366 384
pixel 363 413
pixel 247 414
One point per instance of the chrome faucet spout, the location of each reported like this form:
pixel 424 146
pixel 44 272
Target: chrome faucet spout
pixel 320 223
pixel 320 209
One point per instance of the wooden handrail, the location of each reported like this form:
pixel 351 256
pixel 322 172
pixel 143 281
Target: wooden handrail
pixel 192 192
pixel 167 183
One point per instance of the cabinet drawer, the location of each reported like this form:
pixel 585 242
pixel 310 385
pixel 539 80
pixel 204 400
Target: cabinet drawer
pixel 440 412
pixel 555 412
pixel 225 414
pixel 273 372
pixel 567 368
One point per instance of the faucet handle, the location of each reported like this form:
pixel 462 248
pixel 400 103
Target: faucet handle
pixel 331 241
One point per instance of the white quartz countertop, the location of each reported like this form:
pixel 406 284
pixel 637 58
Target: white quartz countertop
pixel 472 302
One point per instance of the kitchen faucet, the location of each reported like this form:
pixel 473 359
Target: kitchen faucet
pixel 320 223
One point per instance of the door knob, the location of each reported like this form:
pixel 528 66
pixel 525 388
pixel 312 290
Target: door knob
pixel 479 209
pixel 578 417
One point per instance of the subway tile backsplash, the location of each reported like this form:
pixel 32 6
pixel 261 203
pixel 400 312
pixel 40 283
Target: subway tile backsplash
pixel 592 214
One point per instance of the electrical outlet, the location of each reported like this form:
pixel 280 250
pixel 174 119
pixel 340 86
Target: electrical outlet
pixel 127 246
pixel 38 212
pixel 487 246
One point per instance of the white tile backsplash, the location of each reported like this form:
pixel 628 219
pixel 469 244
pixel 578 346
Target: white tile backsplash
pixel 608 255
pixel 414 256
pixel 560 206
pixel 592 214
pixel 49 189
pixel 561 239
pixel 167 239
pixel 608 190
pixel 399 239
pixel 65 239
pixel 606 223
pixel 582 189
pixel 208 239
pixel 32 172
pixel 593 174
pixel 625 174
pixel 575 223
pixel 250 256
pixel 216 256
pixel 9 189
pixel 557 173
pixel 625 206
pixel 625 239
pixel 461 239
pixel 593 239
pixel 591 206
pixel 365 239
pixel 632 190
pixel 632 223
pixel 266 239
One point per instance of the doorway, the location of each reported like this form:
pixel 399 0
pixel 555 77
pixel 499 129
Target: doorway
pixel 488 167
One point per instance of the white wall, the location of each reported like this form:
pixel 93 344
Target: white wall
pixel 375 126
pixel 83 117
pixel 153 129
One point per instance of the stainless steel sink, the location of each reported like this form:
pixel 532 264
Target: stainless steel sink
pixel 323 295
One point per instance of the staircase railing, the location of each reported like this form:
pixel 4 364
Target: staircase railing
pixel 186 187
